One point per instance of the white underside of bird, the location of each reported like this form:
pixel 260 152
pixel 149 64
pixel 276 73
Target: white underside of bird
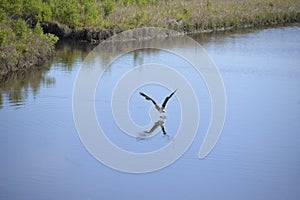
pixel 160 109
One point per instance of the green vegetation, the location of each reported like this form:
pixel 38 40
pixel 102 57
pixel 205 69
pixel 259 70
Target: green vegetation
pixel 20 46
pixel 23 42
pixel 126 14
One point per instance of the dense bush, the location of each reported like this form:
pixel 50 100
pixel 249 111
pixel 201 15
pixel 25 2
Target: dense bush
pixel 73 13
pixel 22 47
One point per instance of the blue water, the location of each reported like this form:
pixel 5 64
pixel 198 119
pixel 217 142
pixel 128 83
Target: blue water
pixel 256 157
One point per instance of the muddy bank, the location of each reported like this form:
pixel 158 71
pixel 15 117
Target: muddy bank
pixel 83 34
pixel 95 36
pixel 12 61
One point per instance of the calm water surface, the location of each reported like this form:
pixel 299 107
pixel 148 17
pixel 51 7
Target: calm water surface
pixel 257 156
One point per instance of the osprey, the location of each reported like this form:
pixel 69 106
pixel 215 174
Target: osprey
pixel 161 109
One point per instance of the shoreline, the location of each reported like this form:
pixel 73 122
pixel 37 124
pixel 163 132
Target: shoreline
pixel 96 36
pixel 34 45
pixel 207 33
pixel 193 16
pixel 203 33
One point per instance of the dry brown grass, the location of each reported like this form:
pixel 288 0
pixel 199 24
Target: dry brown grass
pixel 199 15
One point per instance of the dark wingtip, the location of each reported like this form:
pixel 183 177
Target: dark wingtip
pixel 174 92
pixel 142 94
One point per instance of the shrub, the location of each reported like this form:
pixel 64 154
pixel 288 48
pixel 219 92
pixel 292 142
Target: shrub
pixel 20 28
pixel 38 29
pixel 3 37
pixel 108 7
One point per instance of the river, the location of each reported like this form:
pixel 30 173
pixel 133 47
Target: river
pixel 256 157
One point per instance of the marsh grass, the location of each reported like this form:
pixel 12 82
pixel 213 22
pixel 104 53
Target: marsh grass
pixel 205 15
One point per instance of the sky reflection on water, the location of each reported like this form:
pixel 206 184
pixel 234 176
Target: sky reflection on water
pixel 257 156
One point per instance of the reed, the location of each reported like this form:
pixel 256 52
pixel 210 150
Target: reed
pixel 205 15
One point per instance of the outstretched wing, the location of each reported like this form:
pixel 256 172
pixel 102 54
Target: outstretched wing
pixel 150 99
pixel 167 99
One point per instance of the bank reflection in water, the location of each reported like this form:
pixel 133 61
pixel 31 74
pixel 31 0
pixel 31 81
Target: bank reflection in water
pixel 16 87
pixel 71 52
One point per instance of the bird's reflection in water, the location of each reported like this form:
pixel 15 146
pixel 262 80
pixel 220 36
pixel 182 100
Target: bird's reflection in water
pixel 159 123
pixel 147 133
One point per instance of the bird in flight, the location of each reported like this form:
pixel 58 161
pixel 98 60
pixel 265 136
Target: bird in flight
pixel 161 109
